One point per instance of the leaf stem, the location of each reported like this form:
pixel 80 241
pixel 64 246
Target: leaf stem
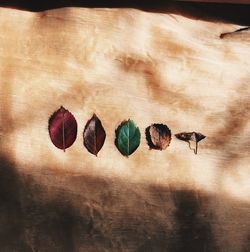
pixel 196 147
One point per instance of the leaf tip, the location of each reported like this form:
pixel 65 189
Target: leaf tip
pixel 62 109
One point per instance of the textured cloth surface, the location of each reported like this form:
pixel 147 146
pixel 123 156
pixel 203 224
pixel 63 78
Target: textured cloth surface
pixel 121 64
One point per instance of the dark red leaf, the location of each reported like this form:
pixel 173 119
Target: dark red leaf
pixel 94 135
pixel 62 128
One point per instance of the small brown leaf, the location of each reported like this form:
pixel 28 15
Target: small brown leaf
pixel 158 136
pixel 62 128
pixel 191 136
pixel 94 135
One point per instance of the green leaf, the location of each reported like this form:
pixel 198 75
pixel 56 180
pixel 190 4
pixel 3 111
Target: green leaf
pixel 127 137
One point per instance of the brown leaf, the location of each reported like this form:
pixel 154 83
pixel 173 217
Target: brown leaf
pixel 191 136
pixel 62 128
pixel 158 136
pixel 94 135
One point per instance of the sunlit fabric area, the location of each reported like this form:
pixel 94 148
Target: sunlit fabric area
pixel 184 65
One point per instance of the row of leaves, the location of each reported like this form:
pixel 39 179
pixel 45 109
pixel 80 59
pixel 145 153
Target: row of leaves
pixel 63 133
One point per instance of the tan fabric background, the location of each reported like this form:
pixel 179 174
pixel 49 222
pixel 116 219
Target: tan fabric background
pixel 120 64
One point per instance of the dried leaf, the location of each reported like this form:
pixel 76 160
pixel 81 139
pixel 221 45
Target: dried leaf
pixel 191 137
pixel 62 128
pixel 94 135
pixel 127 137
pixel 158 136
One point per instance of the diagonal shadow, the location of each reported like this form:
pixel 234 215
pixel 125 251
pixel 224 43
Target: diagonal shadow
pixel 232 13
pixel 86 213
